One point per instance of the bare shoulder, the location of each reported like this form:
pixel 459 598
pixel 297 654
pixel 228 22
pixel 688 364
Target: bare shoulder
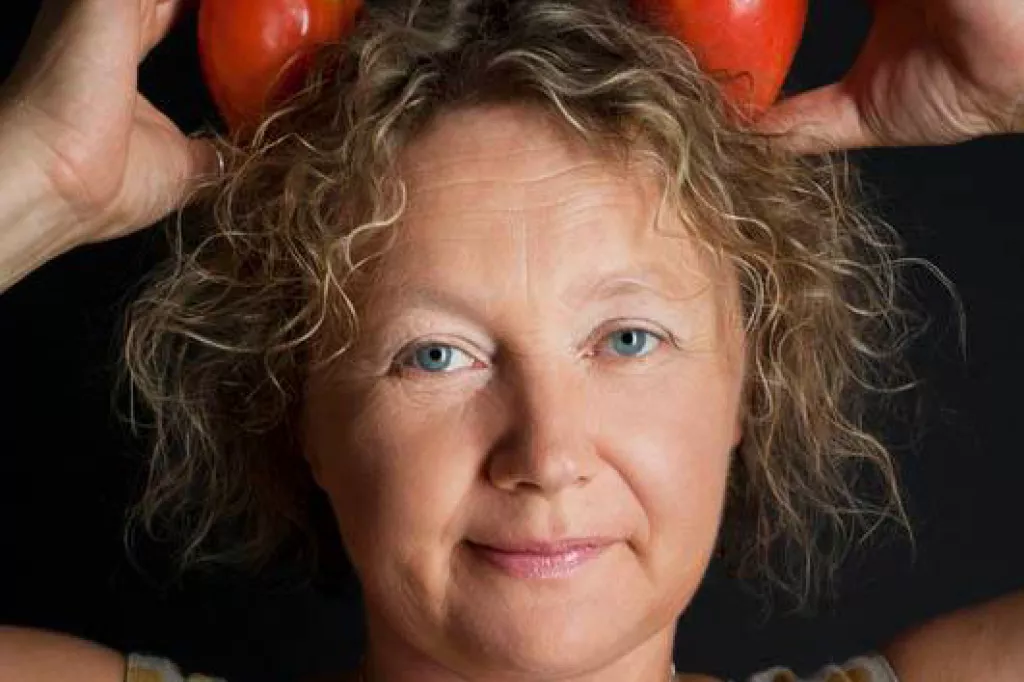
pixel 42 656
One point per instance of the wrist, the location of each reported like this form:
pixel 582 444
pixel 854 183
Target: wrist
pixel 36 224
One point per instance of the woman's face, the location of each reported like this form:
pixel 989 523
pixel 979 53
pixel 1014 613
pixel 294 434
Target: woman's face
pixel 540 366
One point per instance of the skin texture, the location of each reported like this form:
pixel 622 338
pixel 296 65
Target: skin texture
pixel 542 424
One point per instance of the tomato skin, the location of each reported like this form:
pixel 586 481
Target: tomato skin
pixel 252 50
pixel 737 37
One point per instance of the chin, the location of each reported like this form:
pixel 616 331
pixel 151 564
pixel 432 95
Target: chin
pixel 546 640
pixel 548 626
pixel 540 651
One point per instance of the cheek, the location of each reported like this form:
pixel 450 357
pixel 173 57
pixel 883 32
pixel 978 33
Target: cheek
pixel 397 474
pixel 671 437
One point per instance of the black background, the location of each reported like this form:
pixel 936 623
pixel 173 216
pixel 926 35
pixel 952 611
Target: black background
pixel 68 468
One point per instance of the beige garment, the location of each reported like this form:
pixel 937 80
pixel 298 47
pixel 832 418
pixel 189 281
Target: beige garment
pixel 145 668
pixel 871 668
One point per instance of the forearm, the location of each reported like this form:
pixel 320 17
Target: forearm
pixel 983 642
pixel 35 224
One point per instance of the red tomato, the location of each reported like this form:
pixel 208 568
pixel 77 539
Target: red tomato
pixel 750 42
pixel 247 48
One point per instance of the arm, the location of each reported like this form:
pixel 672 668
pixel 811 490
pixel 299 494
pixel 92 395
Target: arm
pixel 930 72
pixel 40 656
pixel 34 226
pixel 984 642
pixel 85 157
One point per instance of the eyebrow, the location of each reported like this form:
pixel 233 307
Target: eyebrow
pixel 606 286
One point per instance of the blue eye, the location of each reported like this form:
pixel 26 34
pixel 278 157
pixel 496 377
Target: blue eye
pixel 633 343
pixel 442 358
pixel 435 358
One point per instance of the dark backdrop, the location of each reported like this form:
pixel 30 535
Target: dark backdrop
pixel 68 469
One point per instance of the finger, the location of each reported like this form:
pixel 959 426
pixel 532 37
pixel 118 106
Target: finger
pixel 76 36
pixel 203 161
pixel 818 121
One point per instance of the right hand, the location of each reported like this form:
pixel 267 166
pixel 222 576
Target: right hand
pixel 930 72
pixel 111 160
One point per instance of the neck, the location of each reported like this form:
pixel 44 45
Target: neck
pixel 391 658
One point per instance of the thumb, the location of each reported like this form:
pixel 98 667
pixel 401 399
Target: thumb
pixel 158 18
pixel 164 170
pixel 188 164
pixel 818 121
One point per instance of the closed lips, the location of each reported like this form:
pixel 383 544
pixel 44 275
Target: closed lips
pixel 541 560
pixel 542 548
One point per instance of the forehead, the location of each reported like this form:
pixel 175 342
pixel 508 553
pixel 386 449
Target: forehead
pixel 505 199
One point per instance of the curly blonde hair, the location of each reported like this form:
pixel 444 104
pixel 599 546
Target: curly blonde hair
pixel 219 344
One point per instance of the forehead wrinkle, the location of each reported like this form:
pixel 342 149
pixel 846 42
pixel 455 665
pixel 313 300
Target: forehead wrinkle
pixel 474 180
pixel 433 182
pixel 587 193
pixel 569 206
pixel 458 160
pixel 608 283
pixel 605 286
pixel 523 131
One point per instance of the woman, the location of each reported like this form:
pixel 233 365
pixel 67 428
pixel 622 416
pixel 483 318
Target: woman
pixel 522 301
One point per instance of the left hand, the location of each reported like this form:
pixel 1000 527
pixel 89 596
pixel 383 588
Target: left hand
pixel 931 72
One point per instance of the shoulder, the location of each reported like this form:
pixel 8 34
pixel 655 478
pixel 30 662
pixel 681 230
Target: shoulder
pixel 43 656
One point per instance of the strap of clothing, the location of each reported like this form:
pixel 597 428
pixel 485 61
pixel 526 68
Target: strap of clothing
pixel 869 668
pixel 147 668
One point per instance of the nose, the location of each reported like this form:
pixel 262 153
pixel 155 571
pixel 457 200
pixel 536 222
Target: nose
pixel 550 444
